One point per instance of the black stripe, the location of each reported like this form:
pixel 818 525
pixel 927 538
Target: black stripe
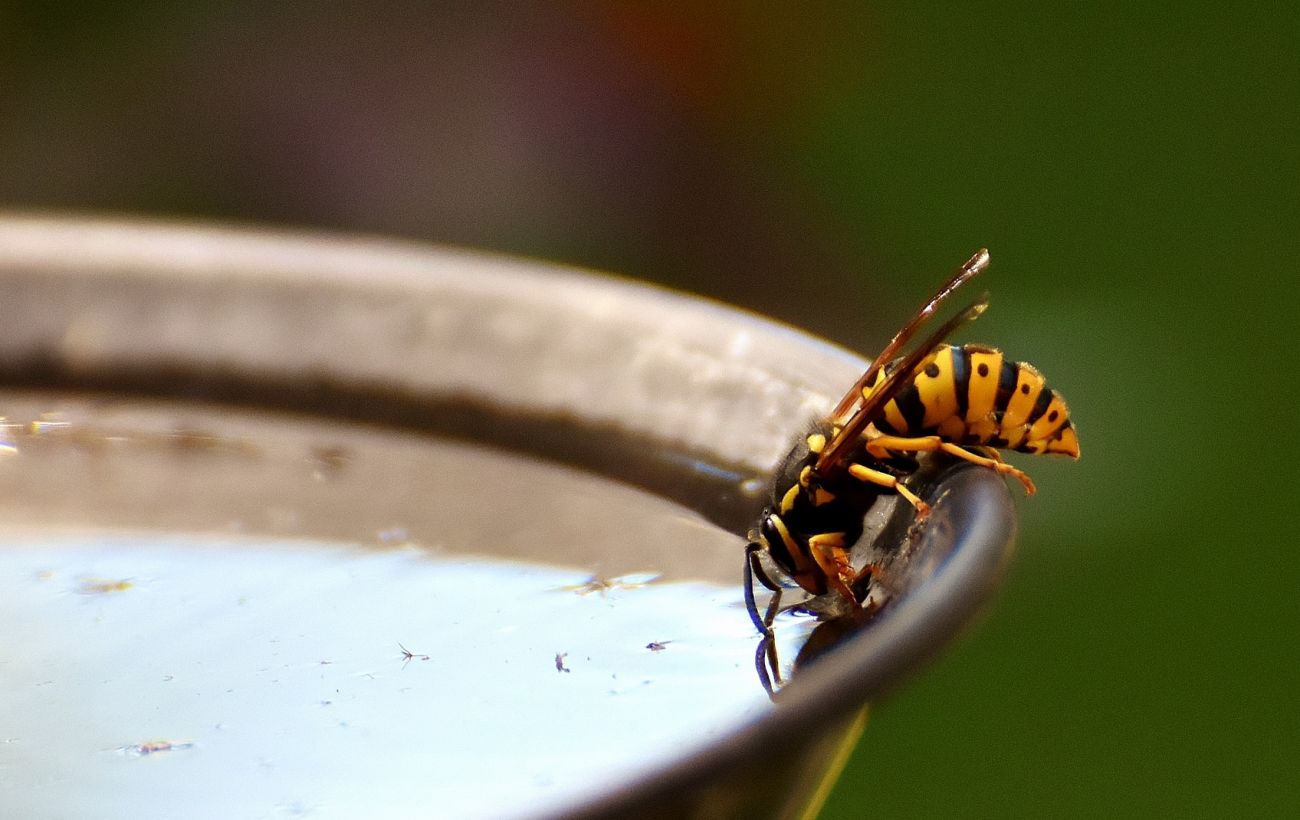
pixel 961 379
pixel 882 424
pixel 1040 406
pixel 1006 387
pixel 913 409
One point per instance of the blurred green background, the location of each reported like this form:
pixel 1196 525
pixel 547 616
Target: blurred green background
pixel 1134 171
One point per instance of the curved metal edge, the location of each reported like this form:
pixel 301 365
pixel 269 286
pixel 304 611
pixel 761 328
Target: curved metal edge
pixel 800 374
pixel 862 669
pixel 384 311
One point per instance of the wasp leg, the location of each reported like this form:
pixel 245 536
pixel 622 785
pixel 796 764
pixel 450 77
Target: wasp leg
pixel 999 464
pixel 881 446
pixel 765 658
pixel 863 473
pixel 763 623
pixel 828 551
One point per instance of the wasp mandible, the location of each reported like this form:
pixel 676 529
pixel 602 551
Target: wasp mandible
pixel 967 401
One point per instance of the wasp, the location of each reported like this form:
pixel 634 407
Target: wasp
pixel 967 401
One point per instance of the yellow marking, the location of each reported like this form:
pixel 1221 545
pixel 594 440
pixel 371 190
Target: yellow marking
pixel 805 476
pixel 983 392
pixel 787 501
pixel 938 393
pixel 791 546
pixel 1067 444
pixel 894 416
pixel 1029 383
pixel 868 389
pixel 821 497
pixel 816 443
pixel 982 430
pixel 1013 435
pixel 1048 423
pixel 953 428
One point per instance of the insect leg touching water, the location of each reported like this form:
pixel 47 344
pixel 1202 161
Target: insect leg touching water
pixel 966 401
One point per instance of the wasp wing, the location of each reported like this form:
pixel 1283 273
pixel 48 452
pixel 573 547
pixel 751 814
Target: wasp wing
pixel 900 377
pixel 971 268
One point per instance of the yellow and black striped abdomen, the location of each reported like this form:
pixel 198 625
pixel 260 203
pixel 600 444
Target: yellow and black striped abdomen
pixel 974 395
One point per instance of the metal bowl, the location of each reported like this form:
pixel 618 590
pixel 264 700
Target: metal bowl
pixel 691 400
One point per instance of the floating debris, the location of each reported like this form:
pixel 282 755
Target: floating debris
pixel 595 583
pixel 559 662
pixel 153 747
pixel 408 655
pixel 103 586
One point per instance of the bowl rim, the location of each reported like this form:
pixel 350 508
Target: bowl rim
pixel 789 374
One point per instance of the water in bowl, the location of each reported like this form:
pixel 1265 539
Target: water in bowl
pixel 218 613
